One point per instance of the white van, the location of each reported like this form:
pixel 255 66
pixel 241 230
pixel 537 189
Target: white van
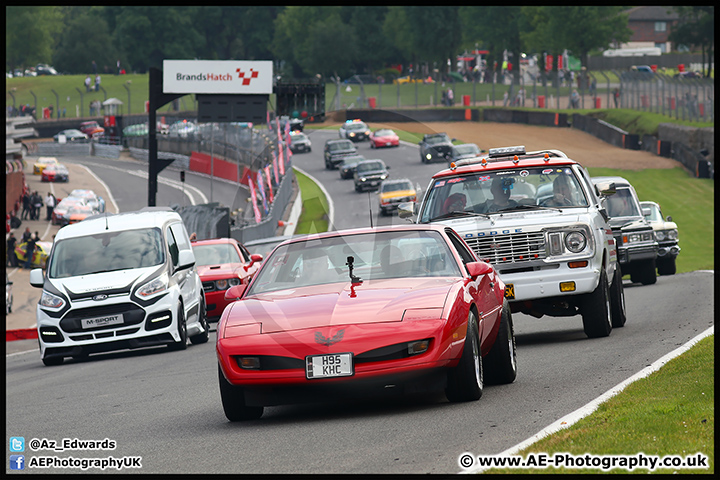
pixel 117 281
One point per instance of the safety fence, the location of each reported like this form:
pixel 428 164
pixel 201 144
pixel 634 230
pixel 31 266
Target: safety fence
pixel 683 97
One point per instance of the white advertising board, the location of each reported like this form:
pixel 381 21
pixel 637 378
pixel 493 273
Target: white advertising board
pixel 218 76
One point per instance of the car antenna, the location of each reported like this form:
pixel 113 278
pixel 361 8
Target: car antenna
pixel 106 222
pixel 370 209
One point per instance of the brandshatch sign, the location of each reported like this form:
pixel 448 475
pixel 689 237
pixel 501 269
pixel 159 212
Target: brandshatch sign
pixel 218 77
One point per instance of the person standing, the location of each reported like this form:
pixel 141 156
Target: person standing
pixel 118 67
pixel 450 97
pixel 27 208
pixel 11 257
pixel 49 205
pixel 37 203
pixel 26 235
pixel 97 83
pixel 94 67
pixel 29 252
pixel 87 83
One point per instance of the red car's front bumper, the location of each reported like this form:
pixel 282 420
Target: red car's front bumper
pixel 379 357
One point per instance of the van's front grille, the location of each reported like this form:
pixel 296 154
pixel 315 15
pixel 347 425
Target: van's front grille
pixel 509 248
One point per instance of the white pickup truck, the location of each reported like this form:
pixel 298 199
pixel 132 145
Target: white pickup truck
pixel 537 218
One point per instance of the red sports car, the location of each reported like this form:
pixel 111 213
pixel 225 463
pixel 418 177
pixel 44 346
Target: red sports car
pixel 356 312
pixel 55 172
pixel 384 137
pixel 222 263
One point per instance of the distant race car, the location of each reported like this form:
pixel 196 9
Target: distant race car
pixel 41 163
pixel 55 173
pixel 221 264
pixel 384 137
pixel 355 130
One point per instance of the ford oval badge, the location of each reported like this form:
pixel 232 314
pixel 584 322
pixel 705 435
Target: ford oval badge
pixel 102 296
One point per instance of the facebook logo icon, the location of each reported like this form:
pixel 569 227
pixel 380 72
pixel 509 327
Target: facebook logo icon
pixel 17 444
pixel 17 462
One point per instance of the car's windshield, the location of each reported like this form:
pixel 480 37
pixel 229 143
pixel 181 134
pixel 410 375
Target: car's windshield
pixel 216 254
pixel 369 166
pixel 383 133
pixel 396 186
pixel 107 251
pixel 622 204
pixel 434 140
pixel 375 256
pixel 347 145
pixel 467 149
pixel 503 190
pixel 654 215
pixel 355 126
pixel 298 137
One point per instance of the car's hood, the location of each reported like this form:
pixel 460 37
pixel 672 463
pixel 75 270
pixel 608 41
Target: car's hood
pixel 224 270
pixel 398 194
pixel 375 301
pixel 369 173
pixel 627 223
pixel 342 152
pixel 102 282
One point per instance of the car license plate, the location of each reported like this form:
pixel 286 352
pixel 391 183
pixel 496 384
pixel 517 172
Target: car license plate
pixel 102 321
pixel 509 291
pixel 374 182
pixel 327 366
pixel 388 144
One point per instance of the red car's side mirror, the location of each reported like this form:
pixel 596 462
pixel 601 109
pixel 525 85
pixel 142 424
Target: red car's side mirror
pixel 254 258
pixel 235 292
pixel 476 269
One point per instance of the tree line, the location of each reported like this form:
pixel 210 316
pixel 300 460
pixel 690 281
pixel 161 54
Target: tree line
pixel 305 41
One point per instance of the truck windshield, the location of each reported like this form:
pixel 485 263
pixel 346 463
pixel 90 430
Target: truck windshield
pixel 502 191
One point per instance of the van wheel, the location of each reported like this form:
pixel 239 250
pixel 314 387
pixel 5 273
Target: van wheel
pixel 182 330
pixel 202 337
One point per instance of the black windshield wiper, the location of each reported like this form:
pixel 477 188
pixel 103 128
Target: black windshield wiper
pixel 528 207
pixel 459 214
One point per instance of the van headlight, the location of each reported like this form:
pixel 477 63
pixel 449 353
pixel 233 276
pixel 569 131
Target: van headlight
pixel 48 300
pixel 154 286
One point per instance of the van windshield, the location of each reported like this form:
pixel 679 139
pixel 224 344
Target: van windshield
pixel 106 251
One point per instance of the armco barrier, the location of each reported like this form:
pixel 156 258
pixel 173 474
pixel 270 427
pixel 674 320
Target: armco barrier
pixel 600 129
pixel 427 115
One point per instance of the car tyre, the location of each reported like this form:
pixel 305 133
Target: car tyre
pixel 465 381
pixel 666 266
pixel 205 335
pixel 617 301
pixel 500 365
pixel 233 401
pixel 182 330
pixel 644 272
pixel 595 310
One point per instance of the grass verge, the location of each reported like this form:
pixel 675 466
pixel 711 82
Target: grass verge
pixel 670 412
pixel 314 216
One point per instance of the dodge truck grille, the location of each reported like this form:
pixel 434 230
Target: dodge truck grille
pixel 509 248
